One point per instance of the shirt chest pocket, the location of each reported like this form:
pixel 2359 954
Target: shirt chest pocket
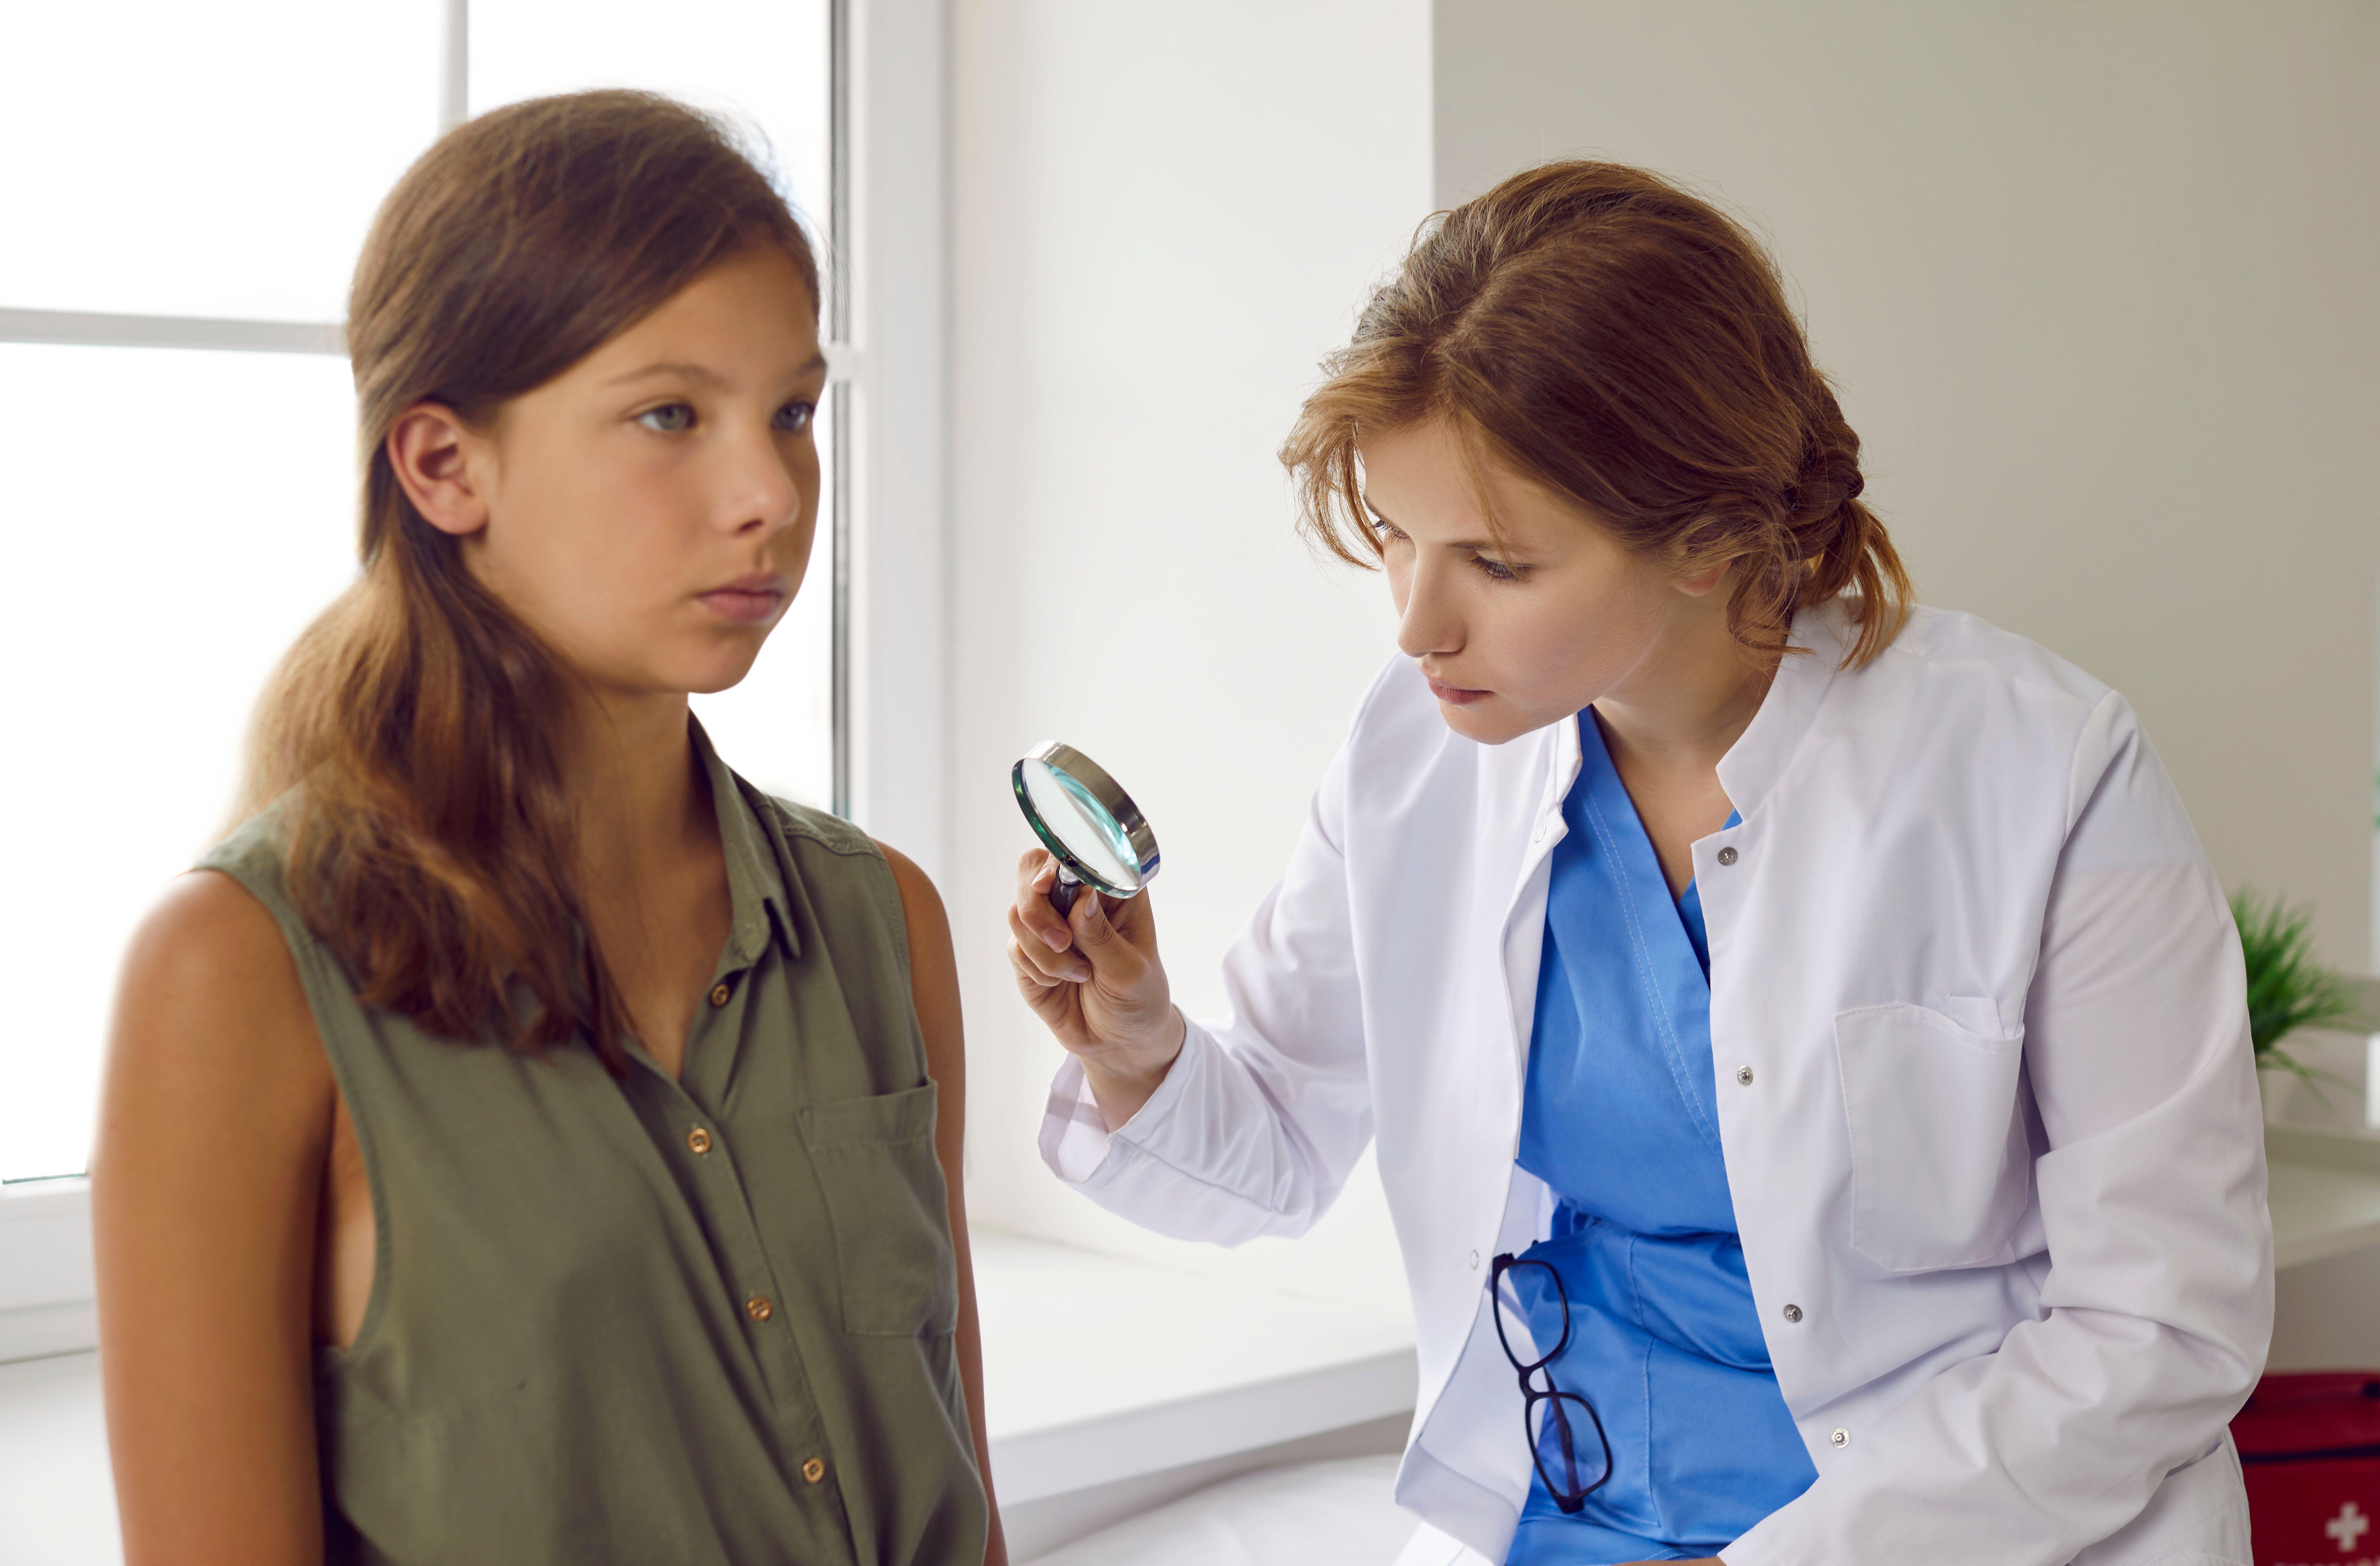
pixel 889 1210
pixel 1941 1171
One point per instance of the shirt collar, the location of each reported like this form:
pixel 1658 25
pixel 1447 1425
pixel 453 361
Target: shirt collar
pixel 756 884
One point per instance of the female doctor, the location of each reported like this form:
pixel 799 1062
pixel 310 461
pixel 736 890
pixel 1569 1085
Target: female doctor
pixel 1806 1042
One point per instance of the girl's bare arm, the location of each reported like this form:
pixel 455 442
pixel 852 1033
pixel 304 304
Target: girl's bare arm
pixel 934 986
pixel 214 1125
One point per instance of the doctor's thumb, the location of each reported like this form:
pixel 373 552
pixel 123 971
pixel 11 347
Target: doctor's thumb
pixel 1090 922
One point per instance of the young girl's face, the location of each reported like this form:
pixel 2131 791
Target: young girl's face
pixel 649 512
pixel 1525 625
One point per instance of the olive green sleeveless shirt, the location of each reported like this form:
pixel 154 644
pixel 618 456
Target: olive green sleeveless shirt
pixel 702 1320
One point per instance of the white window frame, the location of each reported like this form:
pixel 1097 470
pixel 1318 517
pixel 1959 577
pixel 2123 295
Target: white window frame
pixel 887 306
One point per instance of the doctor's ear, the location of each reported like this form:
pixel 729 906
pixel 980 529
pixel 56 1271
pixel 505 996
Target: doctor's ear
pixel 443 466
pixel 1701 584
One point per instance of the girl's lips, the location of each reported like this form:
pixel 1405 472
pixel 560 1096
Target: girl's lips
pixel 1457 694
pixel 744 605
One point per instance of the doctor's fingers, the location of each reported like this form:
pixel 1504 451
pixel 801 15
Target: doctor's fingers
pixel 1037 872
pixel 1056 1002
pixel 1029 948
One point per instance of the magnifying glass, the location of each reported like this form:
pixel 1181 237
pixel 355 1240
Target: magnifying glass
pixel 1089 824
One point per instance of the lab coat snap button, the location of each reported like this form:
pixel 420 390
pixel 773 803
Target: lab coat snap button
pixel 1793 1312
pixel 1743 1076
pixel 1727 856
pixel 1840 1437
pixel 1475 1261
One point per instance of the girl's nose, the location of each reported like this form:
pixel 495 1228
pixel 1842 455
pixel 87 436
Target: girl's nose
pixel 764 491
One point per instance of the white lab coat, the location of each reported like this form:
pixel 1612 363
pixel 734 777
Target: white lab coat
pixel 1986 1099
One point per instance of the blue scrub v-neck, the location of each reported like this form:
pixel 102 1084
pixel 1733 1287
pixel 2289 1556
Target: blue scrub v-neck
pixel 1620 1119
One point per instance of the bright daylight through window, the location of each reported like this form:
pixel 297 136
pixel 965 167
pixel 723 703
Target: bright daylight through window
pixel 177 514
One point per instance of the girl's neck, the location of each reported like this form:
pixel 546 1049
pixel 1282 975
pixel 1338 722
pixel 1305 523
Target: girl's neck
pixel 635 790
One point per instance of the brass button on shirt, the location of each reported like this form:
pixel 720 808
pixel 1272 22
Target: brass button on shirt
pixel 704 1320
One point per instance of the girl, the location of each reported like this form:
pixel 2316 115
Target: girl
pixel 1807 1043
pixel 524 1139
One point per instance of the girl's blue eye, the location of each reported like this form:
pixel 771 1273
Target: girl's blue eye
pixel 794 417
pixel 1495 570
pixel 672 419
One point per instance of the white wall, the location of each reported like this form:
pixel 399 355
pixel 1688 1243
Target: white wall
pixel 2098 282
pixel 1161 216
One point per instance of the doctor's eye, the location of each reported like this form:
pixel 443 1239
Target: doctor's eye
pixel 670 419
pixel 794 417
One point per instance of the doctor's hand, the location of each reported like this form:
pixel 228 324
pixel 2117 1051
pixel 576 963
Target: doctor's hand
pixel 1094 979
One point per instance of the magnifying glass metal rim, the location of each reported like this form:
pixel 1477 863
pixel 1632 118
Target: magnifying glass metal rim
pixel 1111 797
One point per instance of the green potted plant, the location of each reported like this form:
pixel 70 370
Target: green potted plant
pixel 2287 990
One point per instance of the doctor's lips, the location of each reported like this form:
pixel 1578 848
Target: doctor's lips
pixel 1459 696
pixel 747 598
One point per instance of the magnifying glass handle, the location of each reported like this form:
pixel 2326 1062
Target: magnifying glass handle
pixel 1063 893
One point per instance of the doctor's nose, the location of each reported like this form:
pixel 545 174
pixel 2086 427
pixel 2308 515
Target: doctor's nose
pixel 1426 623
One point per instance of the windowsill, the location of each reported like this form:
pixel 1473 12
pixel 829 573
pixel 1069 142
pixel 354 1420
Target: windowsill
pixel 2325 1195
pixel 45 1269
pixel 1098 1369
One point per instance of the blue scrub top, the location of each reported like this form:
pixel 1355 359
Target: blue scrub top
pixel 1620 1118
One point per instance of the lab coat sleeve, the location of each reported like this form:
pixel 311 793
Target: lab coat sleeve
pixel 2158 1296
pixel 1263 1114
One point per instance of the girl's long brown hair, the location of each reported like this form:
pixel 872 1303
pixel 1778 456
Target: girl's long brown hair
pixel 430 840
pixel 1621 342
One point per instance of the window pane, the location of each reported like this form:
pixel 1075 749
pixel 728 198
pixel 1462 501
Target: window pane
pixel 764 61
pixel 175 518
pixel 225 159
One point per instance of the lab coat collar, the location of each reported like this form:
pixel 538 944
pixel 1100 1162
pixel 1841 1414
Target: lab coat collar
pixel 1761 752
pixel 1760 755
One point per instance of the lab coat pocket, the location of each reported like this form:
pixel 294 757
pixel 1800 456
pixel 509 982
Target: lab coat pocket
pixel 1938 1150
pixel 887 1202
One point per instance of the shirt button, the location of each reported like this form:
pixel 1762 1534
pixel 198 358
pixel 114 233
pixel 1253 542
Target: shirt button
pixel 719 994
pixel 1840 1437
pixel 814 1470
pixel 1727 856
pixel 759 1308
pixel 1475 1261
pixel 1744 1075
pixel 1793 1312
pixel 697 1141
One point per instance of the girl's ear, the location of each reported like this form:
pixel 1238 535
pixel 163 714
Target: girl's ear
pixel 442 465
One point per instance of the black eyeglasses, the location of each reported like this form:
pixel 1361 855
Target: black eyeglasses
pixel 1575 1474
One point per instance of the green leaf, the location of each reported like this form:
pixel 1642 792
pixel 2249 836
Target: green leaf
pixel 2287 990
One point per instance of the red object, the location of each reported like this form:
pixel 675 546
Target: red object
pixel 2310 1447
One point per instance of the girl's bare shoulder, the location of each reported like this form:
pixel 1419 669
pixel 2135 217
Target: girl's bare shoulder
pixel 210 1004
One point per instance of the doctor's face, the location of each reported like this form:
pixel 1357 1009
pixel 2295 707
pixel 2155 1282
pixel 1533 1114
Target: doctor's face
pixel 1523 625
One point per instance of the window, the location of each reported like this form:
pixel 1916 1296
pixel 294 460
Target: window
pixel 176 425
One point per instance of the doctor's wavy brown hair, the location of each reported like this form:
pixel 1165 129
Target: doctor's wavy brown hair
pixel 431 843
pixel 1621 342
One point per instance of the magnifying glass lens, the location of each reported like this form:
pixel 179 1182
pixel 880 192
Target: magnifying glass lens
pixel 1090 834
pixel 1089 822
